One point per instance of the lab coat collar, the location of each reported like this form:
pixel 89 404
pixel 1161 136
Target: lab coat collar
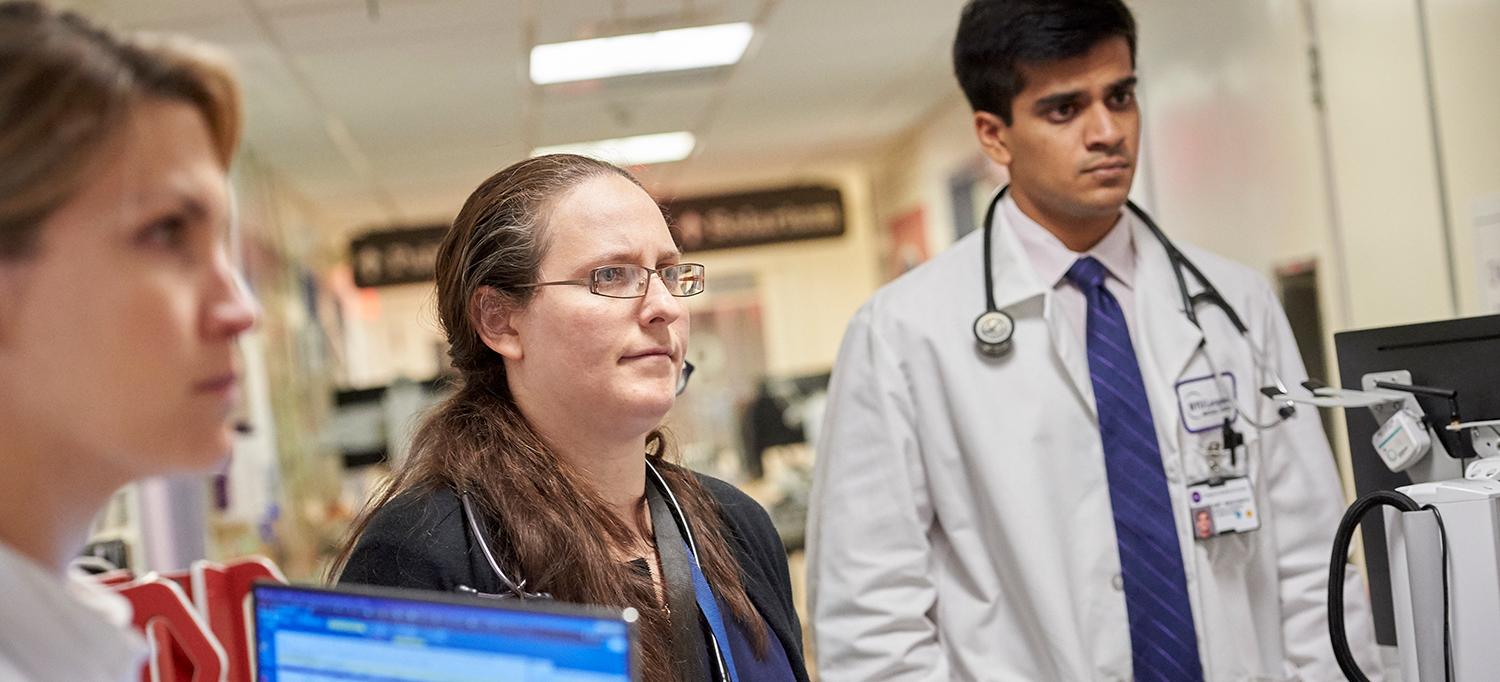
pixel 1162 328
pixel 1017 281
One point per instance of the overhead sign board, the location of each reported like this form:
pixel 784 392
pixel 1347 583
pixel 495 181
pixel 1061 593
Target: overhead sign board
pixel 752 218
pixel 401 256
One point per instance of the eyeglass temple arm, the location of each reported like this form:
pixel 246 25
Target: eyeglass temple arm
pixel 576 282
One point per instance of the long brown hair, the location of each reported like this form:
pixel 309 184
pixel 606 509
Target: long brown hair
pixel 67 88
pixel 555 530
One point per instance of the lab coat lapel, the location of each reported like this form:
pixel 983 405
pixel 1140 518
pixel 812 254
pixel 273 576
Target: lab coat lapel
pixel 1161 324
pixel 1015 282
pixel 1070 354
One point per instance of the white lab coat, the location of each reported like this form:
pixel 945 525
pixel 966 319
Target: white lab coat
pixel 961 526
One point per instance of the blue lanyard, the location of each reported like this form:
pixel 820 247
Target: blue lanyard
pixel 709 605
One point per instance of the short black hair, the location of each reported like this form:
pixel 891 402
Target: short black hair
pixel 996 37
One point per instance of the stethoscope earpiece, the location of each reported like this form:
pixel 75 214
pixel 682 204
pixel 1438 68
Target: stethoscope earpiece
pixel 682 378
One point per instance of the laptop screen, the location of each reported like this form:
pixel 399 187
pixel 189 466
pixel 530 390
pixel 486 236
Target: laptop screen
pixel 314 635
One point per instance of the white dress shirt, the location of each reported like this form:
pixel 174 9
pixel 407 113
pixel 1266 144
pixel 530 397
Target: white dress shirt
pixel 71 629
pixel 1051 259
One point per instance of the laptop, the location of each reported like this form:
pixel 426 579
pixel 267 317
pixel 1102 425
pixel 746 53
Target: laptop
pixel 309 634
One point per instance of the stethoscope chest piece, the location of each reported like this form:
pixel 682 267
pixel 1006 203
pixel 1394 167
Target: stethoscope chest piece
pixel 993 330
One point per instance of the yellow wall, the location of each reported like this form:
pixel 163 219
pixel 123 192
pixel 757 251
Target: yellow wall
pixel 392 334
pixel 809 289
pixel 1383 168
pixel 1465 57
pixel 915 171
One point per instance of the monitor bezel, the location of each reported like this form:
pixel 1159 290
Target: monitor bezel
pixel 630 617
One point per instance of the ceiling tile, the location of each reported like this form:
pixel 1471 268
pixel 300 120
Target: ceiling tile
pixel 434 92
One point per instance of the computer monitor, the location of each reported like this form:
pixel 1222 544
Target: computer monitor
pixel 305 634
pixel 1461 355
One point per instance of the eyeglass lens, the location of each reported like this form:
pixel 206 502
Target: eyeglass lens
pixel 628 281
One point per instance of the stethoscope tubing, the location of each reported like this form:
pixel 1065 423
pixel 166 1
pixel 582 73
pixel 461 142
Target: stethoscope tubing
pixel 1180 262
pixel 518 587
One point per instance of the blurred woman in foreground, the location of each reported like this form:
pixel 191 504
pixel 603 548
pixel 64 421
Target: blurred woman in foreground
pixel 119 310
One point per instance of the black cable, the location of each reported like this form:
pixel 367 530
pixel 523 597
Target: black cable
pixel 1447 629
pixel 1337 567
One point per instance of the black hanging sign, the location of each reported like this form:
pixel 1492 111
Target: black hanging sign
pixel 752 218
pixel 393 257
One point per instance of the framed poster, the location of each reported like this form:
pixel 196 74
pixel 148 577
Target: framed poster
pixel 907 244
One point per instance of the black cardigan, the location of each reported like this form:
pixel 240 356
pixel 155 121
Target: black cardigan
pixel 419 540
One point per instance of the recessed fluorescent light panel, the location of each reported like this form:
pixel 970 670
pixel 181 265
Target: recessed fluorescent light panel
pixel 638 53
pixel 630 151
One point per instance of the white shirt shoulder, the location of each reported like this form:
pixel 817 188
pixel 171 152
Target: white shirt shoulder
pixel 63 629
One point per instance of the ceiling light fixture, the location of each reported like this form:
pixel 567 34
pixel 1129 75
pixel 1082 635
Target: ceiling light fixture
pixel 640 53
pixel 630 151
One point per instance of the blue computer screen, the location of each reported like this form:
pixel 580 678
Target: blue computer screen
pixel 311 635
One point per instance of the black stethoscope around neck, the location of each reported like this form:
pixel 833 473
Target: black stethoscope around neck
pixel 517 588
pixel 994 329
pixel 672 531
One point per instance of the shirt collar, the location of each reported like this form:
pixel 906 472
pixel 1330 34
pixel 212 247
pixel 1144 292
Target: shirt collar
pixel 1051 259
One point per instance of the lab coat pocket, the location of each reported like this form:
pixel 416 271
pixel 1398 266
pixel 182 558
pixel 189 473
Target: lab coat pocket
pixel 1228 553
pixel 1228 538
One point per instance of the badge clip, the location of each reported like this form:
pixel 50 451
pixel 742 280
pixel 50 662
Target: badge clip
pixel 1232 442
pixel 1215 456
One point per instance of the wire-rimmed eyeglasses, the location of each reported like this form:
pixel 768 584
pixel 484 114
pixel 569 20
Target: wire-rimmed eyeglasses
pixel 632 281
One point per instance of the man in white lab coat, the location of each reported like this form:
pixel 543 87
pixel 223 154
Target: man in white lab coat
pixel 1028 507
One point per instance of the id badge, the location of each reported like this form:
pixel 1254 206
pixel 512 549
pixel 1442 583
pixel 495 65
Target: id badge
pixel 1221 507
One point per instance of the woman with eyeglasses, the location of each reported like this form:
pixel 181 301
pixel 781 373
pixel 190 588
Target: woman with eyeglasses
pixel 546 473
pixel 119 309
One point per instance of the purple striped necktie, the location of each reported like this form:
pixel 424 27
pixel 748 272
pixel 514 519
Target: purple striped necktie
pixel 1163 642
